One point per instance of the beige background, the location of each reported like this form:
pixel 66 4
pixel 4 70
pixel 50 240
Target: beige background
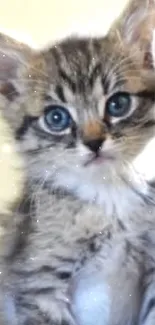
pixel 40 21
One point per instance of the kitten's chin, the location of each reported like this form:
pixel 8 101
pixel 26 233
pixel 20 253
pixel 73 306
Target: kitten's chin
pixel 98 160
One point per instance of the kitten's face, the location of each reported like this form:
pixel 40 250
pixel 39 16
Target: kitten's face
pixel 85 113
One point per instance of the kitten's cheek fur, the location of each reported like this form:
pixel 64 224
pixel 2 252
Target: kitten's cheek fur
pixel 90 300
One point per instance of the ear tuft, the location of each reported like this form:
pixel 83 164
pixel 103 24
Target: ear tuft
pixel 135 26
pixel 10 61
pixel 14 58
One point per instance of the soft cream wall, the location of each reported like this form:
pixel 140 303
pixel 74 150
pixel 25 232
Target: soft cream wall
pixel 41 21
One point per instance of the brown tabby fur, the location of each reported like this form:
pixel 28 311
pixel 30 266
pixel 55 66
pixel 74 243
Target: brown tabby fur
pixel 87 230
pixel 12 181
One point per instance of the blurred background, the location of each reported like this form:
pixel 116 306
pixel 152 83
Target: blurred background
pixel 39 22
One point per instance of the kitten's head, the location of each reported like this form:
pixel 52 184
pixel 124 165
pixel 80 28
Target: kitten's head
pixel 83 109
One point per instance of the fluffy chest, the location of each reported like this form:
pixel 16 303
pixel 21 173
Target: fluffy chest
pixel 115 196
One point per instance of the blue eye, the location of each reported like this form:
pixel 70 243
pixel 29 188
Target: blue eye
pixel 57 118
pixel 118 105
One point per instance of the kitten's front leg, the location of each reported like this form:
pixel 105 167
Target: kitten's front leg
pixel 107 290
pixel 91 299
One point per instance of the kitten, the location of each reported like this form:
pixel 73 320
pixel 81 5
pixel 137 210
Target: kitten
pixel 81 112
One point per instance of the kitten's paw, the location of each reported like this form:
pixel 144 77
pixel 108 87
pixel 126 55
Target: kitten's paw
pixel 90 299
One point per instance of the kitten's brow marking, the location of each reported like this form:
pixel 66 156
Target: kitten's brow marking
pixel 105 84
pixel 94 74
pixel 60 93
pixel 67 80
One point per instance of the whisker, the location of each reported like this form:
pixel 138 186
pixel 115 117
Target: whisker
pixel 122 65
pixel 123 79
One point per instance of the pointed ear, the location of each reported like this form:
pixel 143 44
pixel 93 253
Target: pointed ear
pixel 14 59
pixel 135 27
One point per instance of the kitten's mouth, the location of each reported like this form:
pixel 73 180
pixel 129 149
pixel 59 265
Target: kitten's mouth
pixel 98 159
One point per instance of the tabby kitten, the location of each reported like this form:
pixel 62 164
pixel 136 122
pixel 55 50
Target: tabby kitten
pixel 82 111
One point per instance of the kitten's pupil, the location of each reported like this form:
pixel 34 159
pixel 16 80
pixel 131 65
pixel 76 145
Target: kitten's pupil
pixel 57 118
pixel 118 105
